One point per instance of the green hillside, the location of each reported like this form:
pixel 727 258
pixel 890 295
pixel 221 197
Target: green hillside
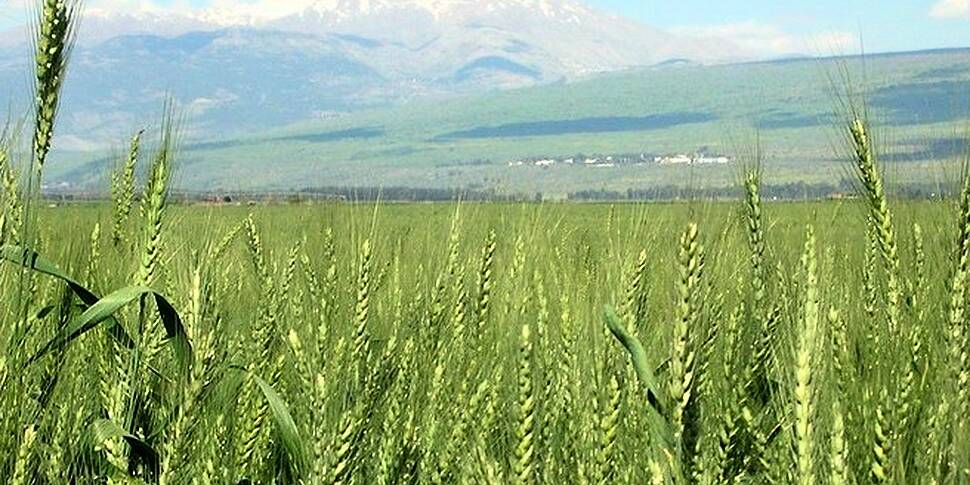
pixel 920 101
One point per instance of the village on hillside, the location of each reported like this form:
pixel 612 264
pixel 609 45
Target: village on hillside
pixel 701 157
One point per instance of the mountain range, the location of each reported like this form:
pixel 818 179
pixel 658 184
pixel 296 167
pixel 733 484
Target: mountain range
pixel 239 71
pixel 788 110
pixel 468 93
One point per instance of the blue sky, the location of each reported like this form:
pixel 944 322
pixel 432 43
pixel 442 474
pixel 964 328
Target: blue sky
pixel 777 26
pixel 886 25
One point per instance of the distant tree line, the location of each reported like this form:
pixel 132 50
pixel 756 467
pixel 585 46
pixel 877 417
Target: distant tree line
pixel 786 191
pixel 408 194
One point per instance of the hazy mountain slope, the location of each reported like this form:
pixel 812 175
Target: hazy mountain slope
pixel 229 82
pixel 240 73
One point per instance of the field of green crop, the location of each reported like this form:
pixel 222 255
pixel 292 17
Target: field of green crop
pixel 488 344
pixel 150 343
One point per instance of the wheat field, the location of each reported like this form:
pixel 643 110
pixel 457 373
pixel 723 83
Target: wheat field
pixel 744 342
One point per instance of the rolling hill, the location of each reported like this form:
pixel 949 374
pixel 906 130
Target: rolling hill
pixel 920 101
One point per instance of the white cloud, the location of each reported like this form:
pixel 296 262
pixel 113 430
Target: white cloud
pixel 767 39
pixel 265 9
pixel 833 43
pixel 228 9
pixel 949 9
pixel 751 36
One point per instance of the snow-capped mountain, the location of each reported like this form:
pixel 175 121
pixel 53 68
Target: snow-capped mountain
pixel 258 58
pixel 560 38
